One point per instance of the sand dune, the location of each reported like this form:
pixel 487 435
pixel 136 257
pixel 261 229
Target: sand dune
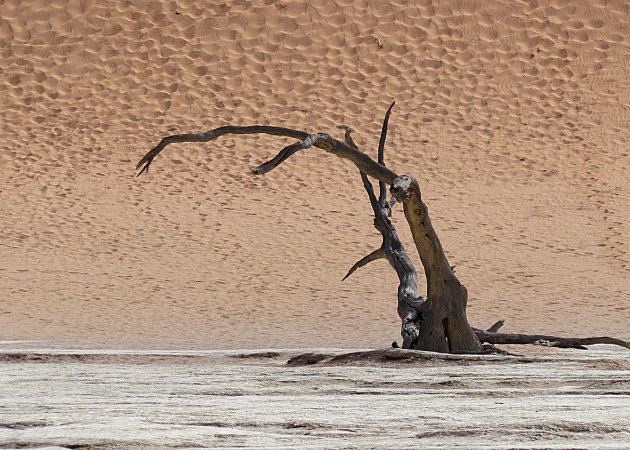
pixel 514 116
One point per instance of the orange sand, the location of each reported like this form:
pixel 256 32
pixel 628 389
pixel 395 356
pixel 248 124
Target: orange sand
pixel 513 116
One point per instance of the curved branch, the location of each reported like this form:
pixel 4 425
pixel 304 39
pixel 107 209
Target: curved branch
pixel 376 254
pixel 146 161
pixel 363 162
pixel 366 182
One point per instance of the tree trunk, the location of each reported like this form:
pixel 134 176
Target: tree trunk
pixel 437 322
pixel 442 323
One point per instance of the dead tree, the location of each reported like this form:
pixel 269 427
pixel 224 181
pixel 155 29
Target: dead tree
pixel 435 322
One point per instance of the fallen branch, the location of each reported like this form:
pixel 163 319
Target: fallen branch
pixel 490 336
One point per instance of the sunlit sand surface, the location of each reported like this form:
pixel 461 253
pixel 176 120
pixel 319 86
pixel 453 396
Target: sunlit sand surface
pixel 513 116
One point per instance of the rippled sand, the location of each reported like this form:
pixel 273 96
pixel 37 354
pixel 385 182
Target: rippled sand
pixel 513 115
pixel 254 399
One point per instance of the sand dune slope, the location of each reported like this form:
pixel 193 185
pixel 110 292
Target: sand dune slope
pixel 514 116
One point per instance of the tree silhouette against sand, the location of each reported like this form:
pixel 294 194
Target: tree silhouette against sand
pixel 435 322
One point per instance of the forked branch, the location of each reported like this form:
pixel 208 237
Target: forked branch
pixel 321 140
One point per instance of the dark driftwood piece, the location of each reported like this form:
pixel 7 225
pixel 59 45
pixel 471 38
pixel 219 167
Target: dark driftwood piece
pixel 436 322
pixel 491 336
pixel 549 341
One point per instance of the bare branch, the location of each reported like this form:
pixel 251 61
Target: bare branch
pixel 370 192
pixel 382 197
pixel 366 182
pixel 363 162
pixel 146 161
pixel 376 254
pixel 392 248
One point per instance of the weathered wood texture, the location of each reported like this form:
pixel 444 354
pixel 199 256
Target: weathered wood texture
pixel 445 327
